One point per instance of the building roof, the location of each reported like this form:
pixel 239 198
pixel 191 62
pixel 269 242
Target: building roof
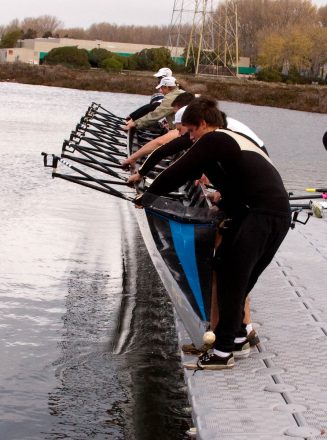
pixel 46 44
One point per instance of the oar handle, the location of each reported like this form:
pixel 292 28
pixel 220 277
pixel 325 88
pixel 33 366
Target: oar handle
pixel 318 190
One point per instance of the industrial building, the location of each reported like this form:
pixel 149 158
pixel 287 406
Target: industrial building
pixel 34 50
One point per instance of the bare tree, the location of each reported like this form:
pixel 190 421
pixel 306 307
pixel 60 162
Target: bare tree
pixel 78 33
pixel 259 17
pixel 137 34
pixel 42 25
pixel 304 49
pixel 322 14
pixel 12 26
pixel 318 54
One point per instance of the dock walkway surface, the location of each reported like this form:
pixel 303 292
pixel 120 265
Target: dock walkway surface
pixel 280 390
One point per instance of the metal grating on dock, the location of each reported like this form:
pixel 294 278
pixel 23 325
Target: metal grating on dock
pixel 280 391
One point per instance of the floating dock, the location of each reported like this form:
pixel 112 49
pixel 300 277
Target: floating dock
pixel 280 391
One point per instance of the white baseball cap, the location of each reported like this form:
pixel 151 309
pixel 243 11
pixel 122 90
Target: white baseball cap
pixel 168 81
pixel 164 71
pixel 179 114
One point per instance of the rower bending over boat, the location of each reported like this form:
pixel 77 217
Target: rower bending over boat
pixel 179 102
pixel 169 88
pixel 183 142
pixel 176 147
pixel 253 196
pixel 155 99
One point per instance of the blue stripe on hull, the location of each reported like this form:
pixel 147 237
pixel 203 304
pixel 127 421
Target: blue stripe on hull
pixel 184 242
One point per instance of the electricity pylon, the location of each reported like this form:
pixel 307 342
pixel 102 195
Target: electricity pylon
pixel 208 30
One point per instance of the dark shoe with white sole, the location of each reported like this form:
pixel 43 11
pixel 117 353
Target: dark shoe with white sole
pixel 211 361
pixel 241 349
pixel 253 338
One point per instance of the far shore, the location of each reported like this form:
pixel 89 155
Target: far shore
pixel 309 98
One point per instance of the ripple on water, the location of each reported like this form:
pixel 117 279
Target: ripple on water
pixel 76 279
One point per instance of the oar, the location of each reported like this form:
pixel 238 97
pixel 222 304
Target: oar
pixel 106 145
pixel 56 159
pixel 109 115
pixel 94 149
pixel 324 140
pixel 314 196
pixel 317 190
pixel 75 179
pixel 316 208
pixel 93 161
pixel 300 205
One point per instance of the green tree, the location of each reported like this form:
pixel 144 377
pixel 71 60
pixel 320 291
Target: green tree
pixel 112 64
pixel 153 59
pixel 10 39
pixel 69 56
pixel 97 56
pixel 269 74
pixel 130 63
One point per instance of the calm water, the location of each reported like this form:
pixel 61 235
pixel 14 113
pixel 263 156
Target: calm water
pixel 87 342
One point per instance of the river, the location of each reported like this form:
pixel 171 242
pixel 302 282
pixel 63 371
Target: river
pixel 87 341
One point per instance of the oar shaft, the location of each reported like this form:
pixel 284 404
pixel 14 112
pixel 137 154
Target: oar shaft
pixel 300 205
pixel 89 185
pixel 77 170
pixel 313 196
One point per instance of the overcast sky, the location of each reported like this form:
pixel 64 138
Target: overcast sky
pixel 83 13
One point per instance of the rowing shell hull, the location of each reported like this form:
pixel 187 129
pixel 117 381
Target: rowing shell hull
pixel 194 326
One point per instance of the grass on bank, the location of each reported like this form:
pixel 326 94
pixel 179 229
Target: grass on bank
pixel 311 98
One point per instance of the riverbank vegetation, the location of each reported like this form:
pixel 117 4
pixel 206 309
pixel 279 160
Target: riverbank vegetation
pixel 287 39
pixel 311 98
pixel 146 59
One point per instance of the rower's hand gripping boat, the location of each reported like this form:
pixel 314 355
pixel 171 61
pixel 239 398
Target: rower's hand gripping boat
pixel 179 230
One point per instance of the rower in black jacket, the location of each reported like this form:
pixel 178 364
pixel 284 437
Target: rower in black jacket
pixel 253 196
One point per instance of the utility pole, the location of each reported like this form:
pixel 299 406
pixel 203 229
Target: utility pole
pixel 208 32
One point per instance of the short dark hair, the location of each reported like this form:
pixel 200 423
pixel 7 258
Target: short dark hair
pixel 224 117
pixel 203 109
pixel 183 99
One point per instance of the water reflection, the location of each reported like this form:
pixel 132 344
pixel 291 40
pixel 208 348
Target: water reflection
pixel 89 402
pixel 88 347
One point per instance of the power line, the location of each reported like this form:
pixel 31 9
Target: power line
pixel 208 30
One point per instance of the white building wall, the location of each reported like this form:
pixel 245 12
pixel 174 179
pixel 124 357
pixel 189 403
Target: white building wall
pixel 29 50
pixel 46 44
pixel 18 54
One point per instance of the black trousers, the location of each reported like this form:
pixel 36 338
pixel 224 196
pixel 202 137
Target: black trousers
pixel 247 248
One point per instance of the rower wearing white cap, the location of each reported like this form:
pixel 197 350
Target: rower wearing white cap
pixel 155 99
pixel 169 88
pixel 179 103
pixel 163 72
pixel 179 128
